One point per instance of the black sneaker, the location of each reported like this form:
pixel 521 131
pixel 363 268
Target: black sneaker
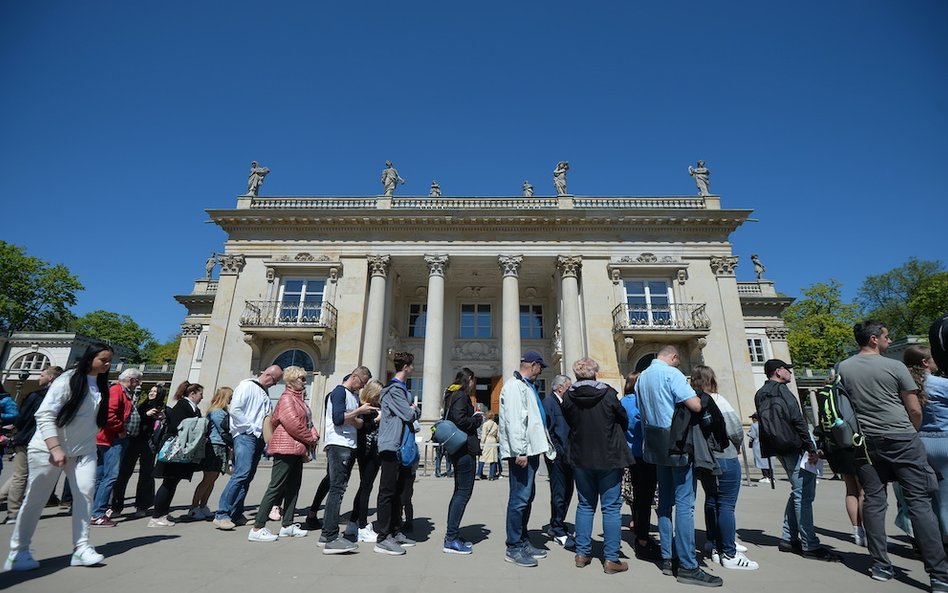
pixel 793 546
pixel 647 551
pixel 668 568
pixel 880 572
pixel 696 576
pixel 821 553
pixel 939 586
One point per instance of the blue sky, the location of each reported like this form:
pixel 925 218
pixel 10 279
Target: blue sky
pixel 123 121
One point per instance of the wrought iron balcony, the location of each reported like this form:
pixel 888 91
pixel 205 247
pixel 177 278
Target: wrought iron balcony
pixel 686 317
pixel 278 314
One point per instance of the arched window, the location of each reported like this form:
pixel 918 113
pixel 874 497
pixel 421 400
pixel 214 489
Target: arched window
pixel 644 362
pixel 295 358
pixel 34 361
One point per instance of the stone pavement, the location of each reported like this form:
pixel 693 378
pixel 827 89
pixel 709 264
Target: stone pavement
pixel 196 557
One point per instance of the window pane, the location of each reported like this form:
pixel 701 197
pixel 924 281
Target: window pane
pixel 293 286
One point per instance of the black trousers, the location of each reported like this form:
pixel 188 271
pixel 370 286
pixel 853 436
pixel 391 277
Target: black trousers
pixel 561 493
pixel 392 484
pixel 138 451
pixel 644 482
pixel 368 471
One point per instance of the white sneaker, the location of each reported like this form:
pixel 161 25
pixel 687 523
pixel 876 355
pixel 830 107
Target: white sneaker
pixel 764 480
pixel 86 556
pixel 22 560
pixel 739 562
pixel 160 522
pixel 262 535
pixel 739 546
pixel 859 536
pixel 368 535
pixel 293 530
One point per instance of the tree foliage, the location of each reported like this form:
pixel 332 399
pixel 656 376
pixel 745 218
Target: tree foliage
pixel 820 326
pixel 115 328
pixel 36 296
pixel 886 297
pixel 930 301
pixel 156 353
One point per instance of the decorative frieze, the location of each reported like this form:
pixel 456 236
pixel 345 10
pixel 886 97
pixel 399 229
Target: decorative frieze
pixel 231 263
pixel 436 264
pixel 569 265
pixel 777 334
pixel 476 351
pixel 510 264
pixel 191 330
pixel 379 264
pixel 723 265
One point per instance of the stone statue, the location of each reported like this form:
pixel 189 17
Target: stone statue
pixel 559 177
pixel 759 268
pixel 527 189
pixel 209 265
pixel 435 190
pixel 701 174
pixel 255 180
pixel 390 179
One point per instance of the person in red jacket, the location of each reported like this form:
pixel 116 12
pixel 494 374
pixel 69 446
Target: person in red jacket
pixel 293 437
pixel 111 443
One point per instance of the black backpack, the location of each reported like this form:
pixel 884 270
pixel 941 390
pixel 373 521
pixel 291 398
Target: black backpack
pixel 777 436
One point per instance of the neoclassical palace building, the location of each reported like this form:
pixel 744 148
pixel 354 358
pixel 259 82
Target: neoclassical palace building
pixel 329 283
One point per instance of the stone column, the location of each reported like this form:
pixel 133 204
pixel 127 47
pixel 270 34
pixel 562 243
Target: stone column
pixel 434 338
pixel 572 331
pixel 375 315
pixel 224 316
pixel 510 316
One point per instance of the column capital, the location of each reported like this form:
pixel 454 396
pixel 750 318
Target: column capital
pixel 436 264
pixel 723 265
pixel 510 264
pixel 569 265
pixel 379 264
pixel 231 263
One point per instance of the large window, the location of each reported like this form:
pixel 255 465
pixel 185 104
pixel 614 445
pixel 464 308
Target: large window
pixel 531 322
pixel 415 387
pixel 755 347
pixel 649 302
pixel 475 321
pixel 34 361
pixel 417 320
pixel 301 300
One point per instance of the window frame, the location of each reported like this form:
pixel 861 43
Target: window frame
pixel 534 313
pixel 422 315
pixel 650 318
pixel 477 311
pixel 300 305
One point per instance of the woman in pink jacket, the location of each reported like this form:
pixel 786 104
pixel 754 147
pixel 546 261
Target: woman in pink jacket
pixel 293 437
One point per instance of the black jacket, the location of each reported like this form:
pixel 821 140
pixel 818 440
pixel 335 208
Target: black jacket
pixel 181 411
pixel 699 434
pixel 556 425
pixel 26 423
pixel 461 412
pixel 598 422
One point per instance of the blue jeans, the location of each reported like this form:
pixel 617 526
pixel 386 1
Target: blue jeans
pixel 523 488
pixel 798 515
pixel 604 486
pixel 463 488
pixel 339 461
pixel 106 473
pixel 720 498
pixel 247 451
pixel 676 488
pixel 439 455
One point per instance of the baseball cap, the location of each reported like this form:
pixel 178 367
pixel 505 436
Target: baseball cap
pixel 773 364
pixel 533 356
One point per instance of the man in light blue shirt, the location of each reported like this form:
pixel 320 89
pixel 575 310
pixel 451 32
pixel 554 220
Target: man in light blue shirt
pixel 659 389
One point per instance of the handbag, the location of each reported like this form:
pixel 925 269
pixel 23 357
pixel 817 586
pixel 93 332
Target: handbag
pixel 447 434
pixel 171 452
pixel 268 428
pixel 408 450
pixel 133 427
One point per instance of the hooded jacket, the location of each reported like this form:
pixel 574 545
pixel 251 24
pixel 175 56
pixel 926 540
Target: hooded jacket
pixel 598 422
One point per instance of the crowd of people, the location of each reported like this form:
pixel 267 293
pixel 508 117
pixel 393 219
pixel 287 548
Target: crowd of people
pixel 665 434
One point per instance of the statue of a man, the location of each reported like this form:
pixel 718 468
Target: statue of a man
pixel 559 177
pixel 390 179
pixel 527 189
pixel 435 190
pixel 701 174
pixel 759 268
pixel 255 180
pixel 209 265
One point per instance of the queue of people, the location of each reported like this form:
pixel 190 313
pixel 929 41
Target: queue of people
pixel 666 432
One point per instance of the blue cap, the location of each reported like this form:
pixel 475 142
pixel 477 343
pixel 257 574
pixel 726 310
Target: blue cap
pixel 533 356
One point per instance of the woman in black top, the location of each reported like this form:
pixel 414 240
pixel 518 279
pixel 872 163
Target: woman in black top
pixel 152 410
pixel 172 473
pixel 367 455
pixel 460 408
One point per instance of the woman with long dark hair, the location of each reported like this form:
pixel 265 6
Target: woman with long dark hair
pixel 460 408
pixel 66 424
pixel 172 473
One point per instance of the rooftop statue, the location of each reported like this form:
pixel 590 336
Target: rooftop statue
pixel 527 189
pixel 435 191
pixel 390 179
pixel 559 177
pixel 209 265
pixel 759 268
pixel 255 180
pixel 701 174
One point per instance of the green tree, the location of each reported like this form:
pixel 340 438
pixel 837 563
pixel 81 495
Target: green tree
pixel 36 296
pixel 117 329
pixel 930 301
pixel 886 297
pixel 821 326
pixel 156 353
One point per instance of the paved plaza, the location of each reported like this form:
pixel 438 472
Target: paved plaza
pixel 196 557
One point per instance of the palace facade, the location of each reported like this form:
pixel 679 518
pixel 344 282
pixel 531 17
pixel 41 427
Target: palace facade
pixel 329 283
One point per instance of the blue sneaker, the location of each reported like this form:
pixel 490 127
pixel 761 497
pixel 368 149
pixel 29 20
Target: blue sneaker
pixel 537 553
pixel 456 546
pixel 520 557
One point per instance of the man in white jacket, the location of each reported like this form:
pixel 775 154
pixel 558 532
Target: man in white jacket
pixel 523 439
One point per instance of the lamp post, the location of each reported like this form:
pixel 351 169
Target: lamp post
pixel 22 378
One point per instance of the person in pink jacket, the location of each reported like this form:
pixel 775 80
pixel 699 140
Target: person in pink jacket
pixel 293 437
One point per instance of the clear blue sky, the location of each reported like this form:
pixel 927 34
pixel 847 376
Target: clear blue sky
pixel 123 121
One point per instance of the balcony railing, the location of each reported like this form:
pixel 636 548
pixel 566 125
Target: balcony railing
pixel 485 203
pixel 749 288
pixel 280 314
pixel 677 317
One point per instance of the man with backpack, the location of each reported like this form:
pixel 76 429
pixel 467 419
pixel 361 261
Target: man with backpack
pixel 885 397
pixel 784 435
